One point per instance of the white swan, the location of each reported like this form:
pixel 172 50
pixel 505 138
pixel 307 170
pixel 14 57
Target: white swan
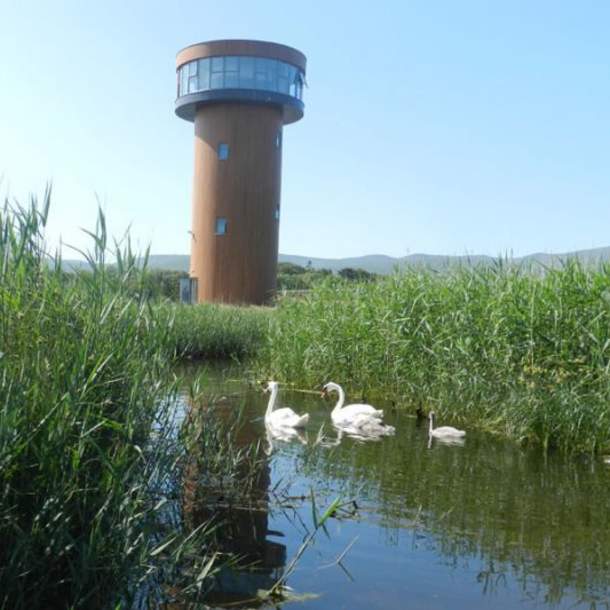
pixel 284 417
pixel 344 415
pixel 444 432
pixel 357 419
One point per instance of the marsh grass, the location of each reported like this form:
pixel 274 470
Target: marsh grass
pixel 92 462
pixel 208 331
pixel 522 352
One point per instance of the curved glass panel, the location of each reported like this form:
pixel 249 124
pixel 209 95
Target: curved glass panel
pixel 240 72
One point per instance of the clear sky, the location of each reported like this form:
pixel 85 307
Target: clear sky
pixel 445 127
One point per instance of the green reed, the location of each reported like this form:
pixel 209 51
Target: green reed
pixel 523 352
pixel 91 461
pixel 217 331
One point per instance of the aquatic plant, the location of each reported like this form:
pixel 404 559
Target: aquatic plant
pixel 91 461
pixel 523 352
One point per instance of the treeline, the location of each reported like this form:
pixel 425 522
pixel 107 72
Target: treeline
pixel 163 284
pixel 296 277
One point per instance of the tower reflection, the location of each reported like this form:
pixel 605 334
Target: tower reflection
pixel 239 508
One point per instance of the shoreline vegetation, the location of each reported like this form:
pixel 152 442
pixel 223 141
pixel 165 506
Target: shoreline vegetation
pixel 523 354
pixel 519 351
pixel 91 463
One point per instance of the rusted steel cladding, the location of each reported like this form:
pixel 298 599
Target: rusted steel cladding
pixel 242 189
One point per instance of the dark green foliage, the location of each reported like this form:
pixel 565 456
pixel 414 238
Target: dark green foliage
pixel 520 353
pixel 356 275
pixel 163 284
pixel 290 269
pixel 295 277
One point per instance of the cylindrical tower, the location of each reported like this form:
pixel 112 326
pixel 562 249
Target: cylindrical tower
pixel 239 94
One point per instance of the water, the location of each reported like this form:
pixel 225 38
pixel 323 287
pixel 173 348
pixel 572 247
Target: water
pixel 484 525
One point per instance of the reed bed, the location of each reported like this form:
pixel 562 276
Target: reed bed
pixel 92 460
pixel 522 352
pixel 208 331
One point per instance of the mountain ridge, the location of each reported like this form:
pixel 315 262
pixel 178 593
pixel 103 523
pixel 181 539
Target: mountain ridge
pixel 384 264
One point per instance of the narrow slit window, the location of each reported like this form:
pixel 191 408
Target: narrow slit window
pixel 223 151
pixel 221 226
pixel 278 138
pixel 277 212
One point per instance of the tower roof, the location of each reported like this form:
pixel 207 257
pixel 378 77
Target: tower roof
pixel 253 48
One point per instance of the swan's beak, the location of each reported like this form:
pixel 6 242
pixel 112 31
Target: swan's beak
pixel 323 393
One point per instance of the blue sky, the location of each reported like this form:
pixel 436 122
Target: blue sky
pixel 437 127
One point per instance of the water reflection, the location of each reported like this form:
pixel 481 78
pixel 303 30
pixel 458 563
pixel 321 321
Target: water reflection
pixel 482 524
pixel 544 523
pixel 242 517
pixel 276 436
pixel 450 441
pixel 358 435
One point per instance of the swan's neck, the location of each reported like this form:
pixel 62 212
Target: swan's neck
pixel 271 403
pixel 431 428
pixel 340 401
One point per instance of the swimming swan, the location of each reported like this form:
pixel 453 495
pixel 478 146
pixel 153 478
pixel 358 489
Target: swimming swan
pixel 284 417
pixel 357 415
pixel 443 431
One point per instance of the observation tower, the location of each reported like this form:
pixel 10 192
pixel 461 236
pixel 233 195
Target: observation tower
pixel 239 94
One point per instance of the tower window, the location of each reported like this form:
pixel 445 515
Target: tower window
pixel 221 226
pixel 231 72
pixel 223 151
pixel 193 80
pixel 217 73
pixel 277 212
pixel 278 138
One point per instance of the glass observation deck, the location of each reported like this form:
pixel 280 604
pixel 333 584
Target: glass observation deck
pixel 239 78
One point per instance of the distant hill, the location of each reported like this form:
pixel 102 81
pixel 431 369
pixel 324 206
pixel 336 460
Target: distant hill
pixel 379 263
pixel 165 262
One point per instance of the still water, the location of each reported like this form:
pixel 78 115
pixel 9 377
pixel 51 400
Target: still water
pixel 485 525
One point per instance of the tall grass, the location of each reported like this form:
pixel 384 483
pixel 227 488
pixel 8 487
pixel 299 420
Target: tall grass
pixel 91 465
pixel 217 331
pixel 522 353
